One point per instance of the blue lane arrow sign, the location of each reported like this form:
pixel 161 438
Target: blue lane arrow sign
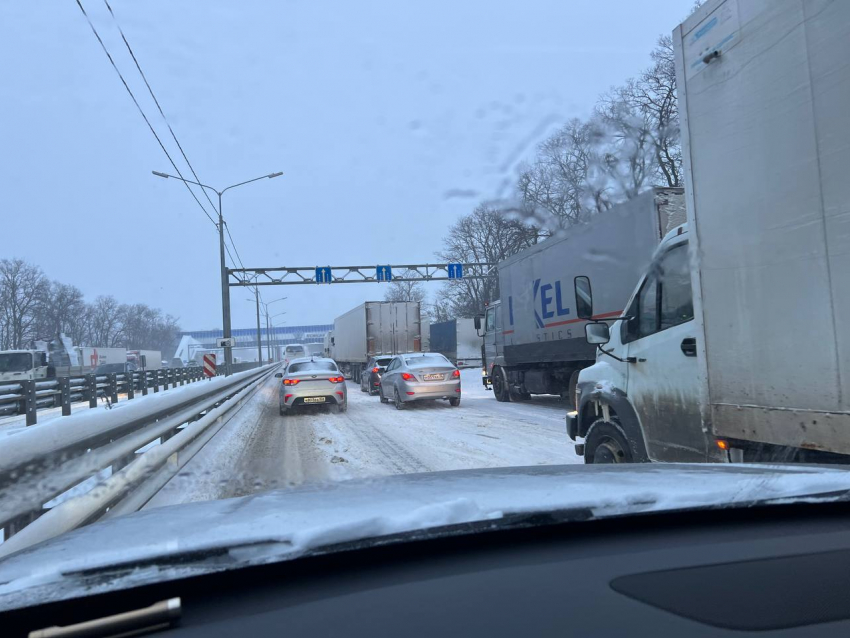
pixel 323 274
pixel 384 273
pixel 455 271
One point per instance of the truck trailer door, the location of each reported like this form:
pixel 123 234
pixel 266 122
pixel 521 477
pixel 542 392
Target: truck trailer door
pixel 663 384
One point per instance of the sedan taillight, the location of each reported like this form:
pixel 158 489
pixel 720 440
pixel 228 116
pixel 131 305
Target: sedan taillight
pixel 406 376
pixel 456 374
pixel 376 369
pixel 337 379
pixel 291 381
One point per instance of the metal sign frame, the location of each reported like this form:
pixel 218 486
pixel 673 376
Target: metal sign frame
pixel 302 275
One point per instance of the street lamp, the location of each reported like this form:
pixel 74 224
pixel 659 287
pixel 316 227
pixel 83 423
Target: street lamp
pixel 266 305
pixel 225 290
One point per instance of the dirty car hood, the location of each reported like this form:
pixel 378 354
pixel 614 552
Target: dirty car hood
pixel 284 524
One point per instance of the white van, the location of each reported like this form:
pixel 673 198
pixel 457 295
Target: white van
pixel 294 351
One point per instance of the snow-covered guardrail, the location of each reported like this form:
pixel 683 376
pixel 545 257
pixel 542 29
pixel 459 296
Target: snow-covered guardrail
pixel 40 464
pixel 27 397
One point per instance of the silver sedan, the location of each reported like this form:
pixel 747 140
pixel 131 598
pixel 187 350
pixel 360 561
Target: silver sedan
pixel 311 381
pixel 418 376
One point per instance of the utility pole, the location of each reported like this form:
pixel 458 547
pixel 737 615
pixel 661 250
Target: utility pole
pixel 259 342
pixel 225 289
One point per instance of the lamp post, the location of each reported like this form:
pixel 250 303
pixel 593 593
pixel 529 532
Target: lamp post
pixel 225 291
pixel 270 325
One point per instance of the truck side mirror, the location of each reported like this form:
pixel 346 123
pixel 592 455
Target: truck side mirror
pixel 476 321
pixel 584 297
pixel 597 333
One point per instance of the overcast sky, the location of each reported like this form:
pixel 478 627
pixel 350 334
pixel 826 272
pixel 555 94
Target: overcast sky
pixel 388 122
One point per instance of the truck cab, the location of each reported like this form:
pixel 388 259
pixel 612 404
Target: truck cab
pixel 25 365
pixel 641 400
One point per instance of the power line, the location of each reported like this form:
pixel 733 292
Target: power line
pixel 142 113
pixel 161 112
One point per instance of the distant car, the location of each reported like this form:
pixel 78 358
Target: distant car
pixel 419 376
pixel 370 378
pixel 311 381
pixel 292 352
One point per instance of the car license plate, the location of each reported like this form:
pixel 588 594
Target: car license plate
pixel 433 377
pixel 314 399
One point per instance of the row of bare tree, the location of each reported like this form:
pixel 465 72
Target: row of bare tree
pixel 628 144
pixel 34 308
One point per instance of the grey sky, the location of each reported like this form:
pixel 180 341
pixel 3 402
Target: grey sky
pixel 384 117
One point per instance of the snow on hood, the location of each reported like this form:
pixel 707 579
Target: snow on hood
pixel 299 520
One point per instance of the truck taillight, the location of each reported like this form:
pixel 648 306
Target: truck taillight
pixel 337 379
pixel 406 376
pixel 456 374
pixel 291 381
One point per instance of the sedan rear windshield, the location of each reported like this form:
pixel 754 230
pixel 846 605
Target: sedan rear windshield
pixel 313 366
pixel 427 359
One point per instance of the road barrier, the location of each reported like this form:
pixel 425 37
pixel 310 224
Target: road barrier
pixel 141 445
pixel 27 397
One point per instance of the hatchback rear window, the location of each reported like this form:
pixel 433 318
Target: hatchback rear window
pixel 382 362
pixel 313 366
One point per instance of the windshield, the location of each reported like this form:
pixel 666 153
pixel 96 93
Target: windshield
pixel 313 366
pixel 589 233
pixel 15 361
pixel 427 360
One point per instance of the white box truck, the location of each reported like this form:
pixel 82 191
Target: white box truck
pixel 735 345
pixel 144 359
pixel 374 328
pixel 533 341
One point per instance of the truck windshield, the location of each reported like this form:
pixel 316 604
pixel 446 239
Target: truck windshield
pixel 15 361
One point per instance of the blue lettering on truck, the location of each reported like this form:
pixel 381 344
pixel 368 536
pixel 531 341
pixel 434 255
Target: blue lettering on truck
pixel 546 302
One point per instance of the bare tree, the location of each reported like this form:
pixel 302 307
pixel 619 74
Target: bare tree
pixel 405 290
pixel 62 310
pixel 104 322
pixel 483 236
pixel 22 289
pixel 563 182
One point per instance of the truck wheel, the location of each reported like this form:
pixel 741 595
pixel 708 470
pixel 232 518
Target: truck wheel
pixel 500 385
pixel 399 404
pixel 605 443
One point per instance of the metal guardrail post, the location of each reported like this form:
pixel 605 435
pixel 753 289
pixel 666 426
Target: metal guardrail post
pixel 180 375
pixel 28 403
pixel 65 395
pixel 112 389
pixel 91 383
pixel 131 385
pixel 172 378
pixel 155 375
pixel 143 380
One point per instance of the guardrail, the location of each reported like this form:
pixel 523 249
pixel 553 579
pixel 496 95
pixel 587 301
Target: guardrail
pixel 40 464
pixel 27 397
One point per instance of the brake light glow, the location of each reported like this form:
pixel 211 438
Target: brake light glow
pixel 336 379
pixel 291 381
pixel 723 445
pixel 406 376
pixel 376 369
pixel 456 374
pixel 287 397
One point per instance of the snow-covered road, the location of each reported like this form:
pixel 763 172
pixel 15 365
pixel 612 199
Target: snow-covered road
pixel 258 449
